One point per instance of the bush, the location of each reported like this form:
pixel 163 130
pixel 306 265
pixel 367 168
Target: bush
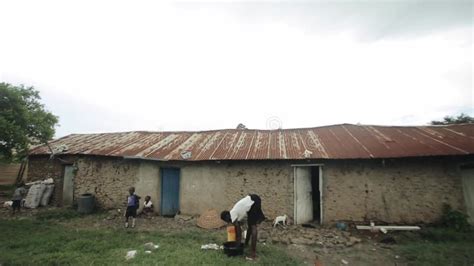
pixel 454 219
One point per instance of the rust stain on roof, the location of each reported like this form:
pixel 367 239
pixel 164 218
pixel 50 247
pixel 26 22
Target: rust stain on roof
pixel 330 142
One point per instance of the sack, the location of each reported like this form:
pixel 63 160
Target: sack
pixel 34 195
pixel 47 195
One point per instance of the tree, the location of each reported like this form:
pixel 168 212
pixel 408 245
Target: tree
pixel 460 119
pixel 23 121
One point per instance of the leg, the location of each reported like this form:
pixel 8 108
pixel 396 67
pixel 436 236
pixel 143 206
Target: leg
pixel 134 216
pixel 127 214
pixel 238 233
pixel 247 237
pixel 15 206
pixel 253 248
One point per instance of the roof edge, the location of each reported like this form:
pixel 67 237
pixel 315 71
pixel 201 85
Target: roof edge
pixel 264 130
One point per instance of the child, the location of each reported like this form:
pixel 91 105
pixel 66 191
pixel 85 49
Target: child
pixel 17 197
pixel 133 201
pixel 249 207
pixel 147 205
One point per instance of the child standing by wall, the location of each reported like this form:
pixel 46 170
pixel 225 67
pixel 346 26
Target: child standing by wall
pixel 17 197
pixel 133 202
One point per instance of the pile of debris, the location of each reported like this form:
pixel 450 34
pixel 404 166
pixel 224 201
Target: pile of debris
pixel 39 194
pixel 295 234
pixel 148 247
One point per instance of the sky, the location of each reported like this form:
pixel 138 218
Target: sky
pixel 109 66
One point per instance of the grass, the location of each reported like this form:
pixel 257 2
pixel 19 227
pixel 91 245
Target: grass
pixel 58 215
pixel 43 242
pixel 438 246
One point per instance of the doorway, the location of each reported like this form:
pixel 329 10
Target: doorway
pixel 316 194
pixel 170 191
pixel 308 203
pixel 68 185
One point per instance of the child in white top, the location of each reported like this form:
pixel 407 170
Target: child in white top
pixel 148 205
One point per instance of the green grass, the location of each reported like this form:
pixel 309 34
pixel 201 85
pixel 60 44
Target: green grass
pixel 58 215
pixel 42 242
pixel 438 246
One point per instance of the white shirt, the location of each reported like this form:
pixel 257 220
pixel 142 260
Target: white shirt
pixel 148 204
pixel 240 209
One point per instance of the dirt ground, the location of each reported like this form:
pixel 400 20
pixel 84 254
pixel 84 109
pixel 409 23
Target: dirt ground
pixel 315 246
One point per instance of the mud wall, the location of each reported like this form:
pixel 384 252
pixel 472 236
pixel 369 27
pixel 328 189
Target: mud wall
pixel 107 178
pixel 395 191
pixel 220 185
pixel 43 167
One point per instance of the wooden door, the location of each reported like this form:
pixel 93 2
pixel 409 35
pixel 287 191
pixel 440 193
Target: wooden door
pixel 68 185
pixel 303 195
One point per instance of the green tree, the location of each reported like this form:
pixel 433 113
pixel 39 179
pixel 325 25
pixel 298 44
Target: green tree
pixel 23 121
pixel 460 119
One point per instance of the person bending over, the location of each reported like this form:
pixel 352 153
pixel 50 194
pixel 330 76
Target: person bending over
pixel 249 207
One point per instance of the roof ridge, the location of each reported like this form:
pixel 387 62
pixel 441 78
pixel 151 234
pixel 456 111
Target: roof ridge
pixel 265 130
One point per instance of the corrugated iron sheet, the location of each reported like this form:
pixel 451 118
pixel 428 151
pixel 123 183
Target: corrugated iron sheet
pixel 330 142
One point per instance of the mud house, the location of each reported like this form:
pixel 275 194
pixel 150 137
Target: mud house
pixel 339 172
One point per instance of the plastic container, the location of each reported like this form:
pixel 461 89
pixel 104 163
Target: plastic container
pixel 341 226
pixel 231 234
pixel 86 203
pixel 231 249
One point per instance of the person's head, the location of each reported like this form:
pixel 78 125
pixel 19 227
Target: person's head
pixel 225 216
pixel 147 198
pixel 131 190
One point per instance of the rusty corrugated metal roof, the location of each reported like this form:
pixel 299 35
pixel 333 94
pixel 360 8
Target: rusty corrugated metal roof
pixel 344 141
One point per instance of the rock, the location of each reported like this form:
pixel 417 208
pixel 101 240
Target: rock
pixel 301 241
pixel 180 217
pixel 352 241
pixel 345 262
pixel 388 240
pixel 131 254
pixel 149 246
pixel 263 235
pixel 147 251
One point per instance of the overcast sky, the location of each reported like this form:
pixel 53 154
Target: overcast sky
pixel 106 66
